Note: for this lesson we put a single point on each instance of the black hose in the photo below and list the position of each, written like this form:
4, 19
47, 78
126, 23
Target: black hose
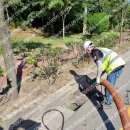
62, 127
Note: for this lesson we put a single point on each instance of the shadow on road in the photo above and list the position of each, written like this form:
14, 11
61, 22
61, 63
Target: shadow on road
94, 95
1, 128
22, 124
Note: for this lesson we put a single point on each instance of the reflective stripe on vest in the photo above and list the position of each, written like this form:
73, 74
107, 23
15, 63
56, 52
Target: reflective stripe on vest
110, 59
106, 54
115, 58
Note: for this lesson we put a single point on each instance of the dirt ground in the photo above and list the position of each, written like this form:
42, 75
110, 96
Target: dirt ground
33, 89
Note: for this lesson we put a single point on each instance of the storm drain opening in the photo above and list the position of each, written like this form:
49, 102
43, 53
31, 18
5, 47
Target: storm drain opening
74, 106
75, 101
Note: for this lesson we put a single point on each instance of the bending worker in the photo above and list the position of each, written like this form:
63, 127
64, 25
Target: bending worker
107, 61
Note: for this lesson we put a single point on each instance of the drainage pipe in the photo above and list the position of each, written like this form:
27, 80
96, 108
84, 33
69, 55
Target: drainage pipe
119, 104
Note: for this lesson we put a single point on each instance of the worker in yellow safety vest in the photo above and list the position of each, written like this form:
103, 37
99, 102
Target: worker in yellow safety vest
107, 61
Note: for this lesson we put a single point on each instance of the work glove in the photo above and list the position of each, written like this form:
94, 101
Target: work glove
98, 80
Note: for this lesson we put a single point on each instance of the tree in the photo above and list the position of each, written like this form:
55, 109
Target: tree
11, 8
63, 8
8, 55
87, 7
85, 19
98, 23
127, 18
117, 10
122, 17
86, 4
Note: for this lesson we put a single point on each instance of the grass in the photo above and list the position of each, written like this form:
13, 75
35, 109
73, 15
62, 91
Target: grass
49, 40
22, 39
31, 39
32, 42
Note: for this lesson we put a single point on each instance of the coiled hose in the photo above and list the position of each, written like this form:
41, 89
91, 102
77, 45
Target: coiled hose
63, 119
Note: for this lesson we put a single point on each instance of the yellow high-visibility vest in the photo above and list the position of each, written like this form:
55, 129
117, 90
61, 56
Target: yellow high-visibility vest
110, 60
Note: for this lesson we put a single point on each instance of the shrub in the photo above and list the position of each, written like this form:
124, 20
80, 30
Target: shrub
0, 49
106, 38
53, 52
1, 72
74, 43
98, 23
23, 45
70, 44
32, 58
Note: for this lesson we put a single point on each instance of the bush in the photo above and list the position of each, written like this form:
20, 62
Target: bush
22, 45
106, 38
76, 43
53, 52
70, 44
1, 72
98, 23
0, 49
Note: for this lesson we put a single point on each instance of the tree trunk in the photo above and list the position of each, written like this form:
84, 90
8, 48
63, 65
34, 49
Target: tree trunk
7, 14
63, 20
121, 27
84, 27
8, 55
123, 14
51, 27
112, 26
85, 22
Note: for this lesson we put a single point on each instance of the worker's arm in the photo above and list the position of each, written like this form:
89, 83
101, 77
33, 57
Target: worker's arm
99, 70
97, 55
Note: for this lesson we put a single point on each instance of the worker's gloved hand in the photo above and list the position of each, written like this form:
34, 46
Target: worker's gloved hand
98, 80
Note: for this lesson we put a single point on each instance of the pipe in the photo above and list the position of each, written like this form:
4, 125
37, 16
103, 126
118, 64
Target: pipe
125, 120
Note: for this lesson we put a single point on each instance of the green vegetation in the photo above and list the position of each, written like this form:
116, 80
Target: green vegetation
23, 45
63, 25
16, 41
59, 15
70, 41
1, 72
98, 23
106, 39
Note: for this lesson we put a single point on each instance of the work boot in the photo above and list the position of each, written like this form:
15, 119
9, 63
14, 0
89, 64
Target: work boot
107, 106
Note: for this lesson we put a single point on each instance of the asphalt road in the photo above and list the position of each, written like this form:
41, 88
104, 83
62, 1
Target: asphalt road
123, 84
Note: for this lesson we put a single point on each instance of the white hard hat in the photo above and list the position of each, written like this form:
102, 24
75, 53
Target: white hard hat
87, 44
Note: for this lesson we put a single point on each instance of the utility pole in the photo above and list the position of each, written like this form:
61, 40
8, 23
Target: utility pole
8, 55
